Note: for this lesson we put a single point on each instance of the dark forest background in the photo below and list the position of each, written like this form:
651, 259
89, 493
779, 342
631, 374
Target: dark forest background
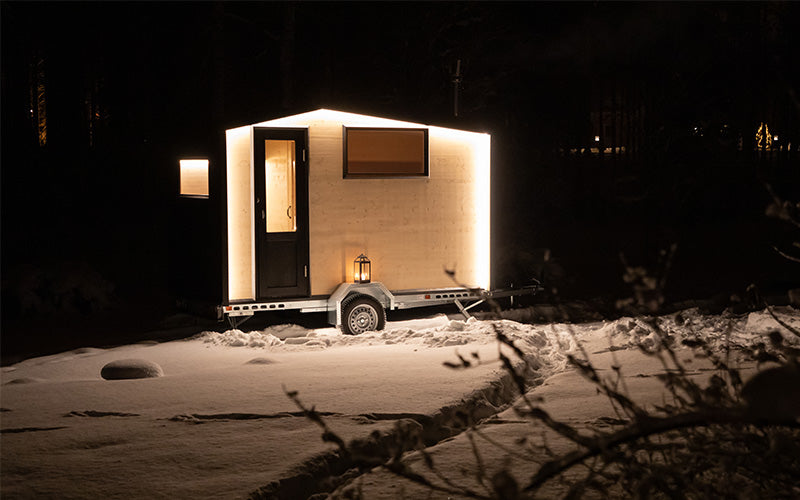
618, 129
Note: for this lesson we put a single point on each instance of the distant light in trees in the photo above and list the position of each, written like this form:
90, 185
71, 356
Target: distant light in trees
42, 114
763, 137
37, 100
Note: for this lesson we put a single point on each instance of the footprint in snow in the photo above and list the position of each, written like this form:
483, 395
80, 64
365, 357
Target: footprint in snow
260, 361
23, 380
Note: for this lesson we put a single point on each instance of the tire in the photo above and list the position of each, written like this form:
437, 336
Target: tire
361, 313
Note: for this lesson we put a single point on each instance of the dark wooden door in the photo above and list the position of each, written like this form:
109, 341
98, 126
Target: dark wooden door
280, 175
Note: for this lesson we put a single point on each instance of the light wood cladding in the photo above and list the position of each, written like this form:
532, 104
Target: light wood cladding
239, 178
412, 229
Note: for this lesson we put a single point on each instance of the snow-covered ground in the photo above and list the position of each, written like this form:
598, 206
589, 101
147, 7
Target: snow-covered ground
218, 423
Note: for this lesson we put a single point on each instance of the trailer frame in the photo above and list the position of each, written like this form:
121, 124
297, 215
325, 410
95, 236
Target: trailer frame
463, 298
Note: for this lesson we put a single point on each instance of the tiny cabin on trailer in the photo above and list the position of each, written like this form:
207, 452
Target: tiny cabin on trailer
334, 211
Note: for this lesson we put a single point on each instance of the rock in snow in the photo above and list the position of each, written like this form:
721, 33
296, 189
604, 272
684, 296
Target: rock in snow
131, 368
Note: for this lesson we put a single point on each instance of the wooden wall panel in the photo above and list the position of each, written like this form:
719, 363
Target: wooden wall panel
411, 229
241, 278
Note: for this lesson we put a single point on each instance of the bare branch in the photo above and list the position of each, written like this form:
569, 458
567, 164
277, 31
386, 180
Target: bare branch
480, 474
781, 204
649, 427
781, 322
785, 255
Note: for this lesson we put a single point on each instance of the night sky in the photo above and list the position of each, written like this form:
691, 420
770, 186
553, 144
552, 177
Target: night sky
92, 226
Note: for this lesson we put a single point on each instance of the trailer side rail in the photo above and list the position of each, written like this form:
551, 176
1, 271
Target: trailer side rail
464, 298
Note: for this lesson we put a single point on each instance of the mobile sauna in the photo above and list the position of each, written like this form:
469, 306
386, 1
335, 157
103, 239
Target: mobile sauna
354, 215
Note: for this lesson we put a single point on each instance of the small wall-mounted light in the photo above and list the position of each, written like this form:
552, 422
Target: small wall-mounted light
194, 178
597, 138
362, 269
775, 138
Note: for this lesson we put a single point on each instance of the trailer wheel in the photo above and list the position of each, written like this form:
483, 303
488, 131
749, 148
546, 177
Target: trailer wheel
361, 313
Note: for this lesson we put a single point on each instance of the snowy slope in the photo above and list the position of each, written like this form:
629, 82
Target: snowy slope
473, 457
218, 423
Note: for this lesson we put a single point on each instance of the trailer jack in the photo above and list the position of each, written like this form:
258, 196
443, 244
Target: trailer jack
235, 321
465, 309
484, 295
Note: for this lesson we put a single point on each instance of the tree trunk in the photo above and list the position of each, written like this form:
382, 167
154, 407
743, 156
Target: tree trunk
287, 55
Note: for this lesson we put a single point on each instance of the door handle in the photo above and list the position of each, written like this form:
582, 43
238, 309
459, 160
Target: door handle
288, 210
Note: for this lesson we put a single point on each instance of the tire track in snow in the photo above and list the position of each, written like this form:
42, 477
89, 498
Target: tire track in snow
100, 414
325, 472
19, 430
199, 418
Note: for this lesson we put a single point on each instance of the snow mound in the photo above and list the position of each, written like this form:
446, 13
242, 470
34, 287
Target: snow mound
238, 338
445, 333
274, 335
83, 352
762, 322
131, 369
721, 332
287, 331
544, 345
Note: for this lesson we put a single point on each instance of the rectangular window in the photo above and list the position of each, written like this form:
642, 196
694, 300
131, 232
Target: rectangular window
194, 178
385, 152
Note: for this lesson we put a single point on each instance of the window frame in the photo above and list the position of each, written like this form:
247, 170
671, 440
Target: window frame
426, 154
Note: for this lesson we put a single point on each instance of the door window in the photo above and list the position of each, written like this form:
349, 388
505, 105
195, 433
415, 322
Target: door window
281, 210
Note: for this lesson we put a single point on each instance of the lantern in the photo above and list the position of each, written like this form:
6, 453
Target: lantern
362, 269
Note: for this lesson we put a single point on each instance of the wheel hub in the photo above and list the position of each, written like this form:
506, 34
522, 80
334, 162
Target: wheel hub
363, 319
